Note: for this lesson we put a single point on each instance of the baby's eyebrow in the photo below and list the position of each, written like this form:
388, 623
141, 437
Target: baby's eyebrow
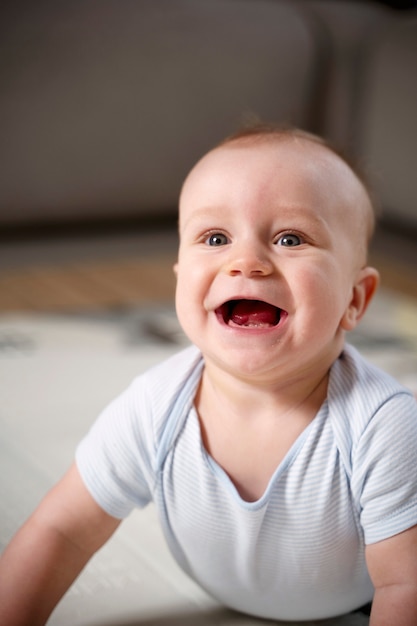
204, 211
287, 213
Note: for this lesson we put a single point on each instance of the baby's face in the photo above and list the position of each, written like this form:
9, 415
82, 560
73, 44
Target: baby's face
272, 243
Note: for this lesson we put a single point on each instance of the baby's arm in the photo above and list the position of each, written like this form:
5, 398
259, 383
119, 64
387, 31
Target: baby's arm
392, 565
50, 550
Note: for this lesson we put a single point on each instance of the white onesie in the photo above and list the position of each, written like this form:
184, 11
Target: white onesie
298, 552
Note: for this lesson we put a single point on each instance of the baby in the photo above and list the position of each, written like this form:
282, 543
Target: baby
282, 465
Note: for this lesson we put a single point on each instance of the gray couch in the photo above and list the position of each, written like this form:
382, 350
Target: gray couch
105, 104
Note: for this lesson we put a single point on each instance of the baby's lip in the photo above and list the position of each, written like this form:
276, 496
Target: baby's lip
249, 313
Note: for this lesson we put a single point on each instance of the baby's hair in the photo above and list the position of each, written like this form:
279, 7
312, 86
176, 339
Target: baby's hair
261, 132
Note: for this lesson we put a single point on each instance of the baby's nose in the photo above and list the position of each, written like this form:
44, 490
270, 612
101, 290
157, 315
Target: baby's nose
249, 262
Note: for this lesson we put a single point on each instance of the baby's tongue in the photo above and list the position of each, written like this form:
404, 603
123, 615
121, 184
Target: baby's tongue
254, 313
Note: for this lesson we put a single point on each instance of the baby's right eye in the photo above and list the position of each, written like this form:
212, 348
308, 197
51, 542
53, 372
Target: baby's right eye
217, 239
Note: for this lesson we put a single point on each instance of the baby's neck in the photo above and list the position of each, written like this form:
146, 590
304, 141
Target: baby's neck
248, 399
248, 430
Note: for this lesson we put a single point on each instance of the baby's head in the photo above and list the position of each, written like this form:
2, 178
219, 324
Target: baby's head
274, 232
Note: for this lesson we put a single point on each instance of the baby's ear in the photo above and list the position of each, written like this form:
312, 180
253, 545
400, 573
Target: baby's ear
175, 268
362, 293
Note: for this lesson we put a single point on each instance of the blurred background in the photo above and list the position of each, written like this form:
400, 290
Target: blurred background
106, 104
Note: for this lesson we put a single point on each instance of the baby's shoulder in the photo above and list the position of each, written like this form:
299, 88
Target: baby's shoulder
359, 385
362, 397
166, 390
168, 376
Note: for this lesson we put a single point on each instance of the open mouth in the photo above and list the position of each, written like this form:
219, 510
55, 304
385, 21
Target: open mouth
249, 313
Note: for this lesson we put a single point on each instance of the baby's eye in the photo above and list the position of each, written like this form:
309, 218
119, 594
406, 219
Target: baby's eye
217, 239
289, 240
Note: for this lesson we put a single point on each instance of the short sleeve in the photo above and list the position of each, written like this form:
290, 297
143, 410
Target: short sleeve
384, 469
115, 457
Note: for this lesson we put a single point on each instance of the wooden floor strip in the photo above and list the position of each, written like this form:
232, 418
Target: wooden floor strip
88, 286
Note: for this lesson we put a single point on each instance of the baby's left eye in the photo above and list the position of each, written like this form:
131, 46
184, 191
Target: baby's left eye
217, 239
289, 240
